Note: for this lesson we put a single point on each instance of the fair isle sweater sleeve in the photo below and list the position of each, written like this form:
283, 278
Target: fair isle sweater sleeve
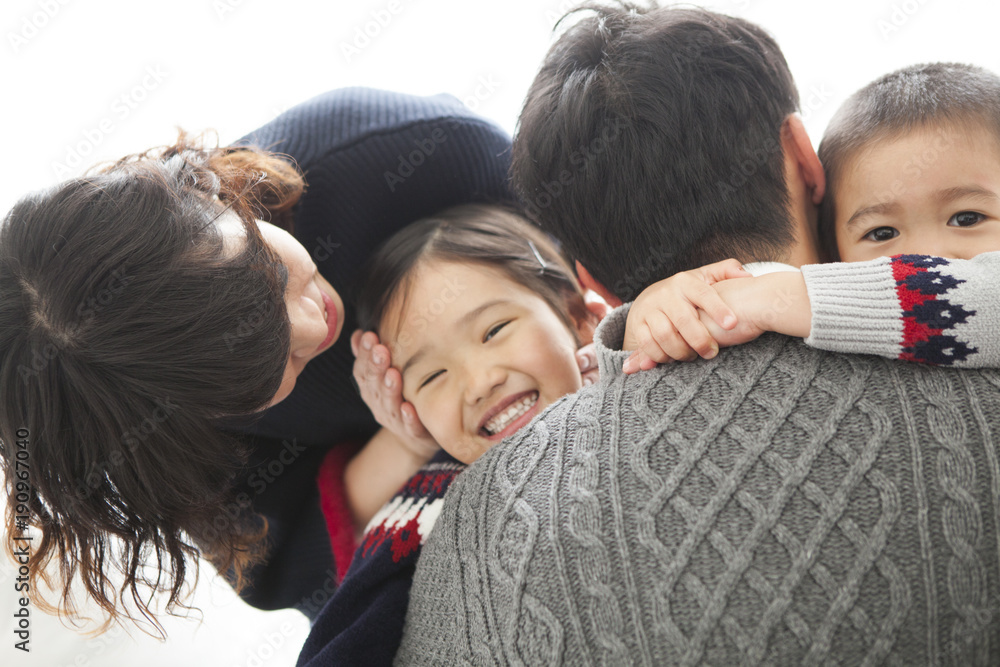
943, 312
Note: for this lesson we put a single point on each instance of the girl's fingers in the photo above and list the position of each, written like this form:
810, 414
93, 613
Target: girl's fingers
356, 341
586, 358
414, 426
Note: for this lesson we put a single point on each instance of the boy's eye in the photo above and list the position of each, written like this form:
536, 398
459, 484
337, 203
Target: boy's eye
880, 234
494, 331
429, 379
966, 219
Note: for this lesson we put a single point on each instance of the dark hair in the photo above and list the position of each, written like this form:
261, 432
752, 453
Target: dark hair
122, 338
897, 103
485, 234
650, 143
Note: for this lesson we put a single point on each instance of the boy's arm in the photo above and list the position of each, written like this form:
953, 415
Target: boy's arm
912, 307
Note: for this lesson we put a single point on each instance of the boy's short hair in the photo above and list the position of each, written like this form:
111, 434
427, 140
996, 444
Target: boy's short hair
898, 103
650, 143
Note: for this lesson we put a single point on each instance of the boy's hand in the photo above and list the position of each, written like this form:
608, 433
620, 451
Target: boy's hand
381, 388
776, 302
664, 323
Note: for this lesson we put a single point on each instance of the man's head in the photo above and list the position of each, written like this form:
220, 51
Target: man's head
913, 166
653, 141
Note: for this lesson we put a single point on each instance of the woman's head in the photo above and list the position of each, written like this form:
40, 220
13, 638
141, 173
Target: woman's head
129, 322
482, 316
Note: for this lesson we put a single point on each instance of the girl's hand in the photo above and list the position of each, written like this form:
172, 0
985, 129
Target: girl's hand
381, 388
664, 323
586, 358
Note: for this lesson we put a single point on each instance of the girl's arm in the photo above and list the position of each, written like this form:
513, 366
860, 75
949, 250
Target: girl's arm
910, 307
376, 473
398, 449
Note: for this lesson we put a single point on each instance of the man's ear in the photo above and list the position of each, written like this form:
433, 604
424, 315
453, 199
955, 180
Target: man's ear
796, 143
587, 282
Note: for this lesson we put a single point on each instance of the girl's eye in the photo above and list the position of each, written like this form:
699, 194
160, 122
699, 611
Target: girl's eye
966, 219
494, 331
429, 379
880, 234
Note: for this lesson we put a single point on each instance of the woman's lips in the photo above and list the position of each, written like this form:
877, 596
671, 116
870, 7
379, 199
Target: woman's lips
331, 321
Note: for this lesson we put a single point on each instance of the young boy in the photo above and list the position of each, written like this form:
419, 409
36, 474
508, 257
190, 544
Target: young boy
912, 163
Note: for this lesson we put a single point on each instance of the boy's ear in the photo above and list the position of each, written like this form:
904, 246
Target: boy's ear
796, 142
587, 282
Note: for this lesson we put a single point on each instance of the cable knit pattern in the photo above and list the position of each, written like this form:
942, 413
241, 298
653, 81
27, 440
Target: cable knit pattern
775, 505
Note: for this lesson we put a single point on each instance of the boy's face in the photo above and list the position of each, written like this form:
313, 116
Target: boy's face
932, 191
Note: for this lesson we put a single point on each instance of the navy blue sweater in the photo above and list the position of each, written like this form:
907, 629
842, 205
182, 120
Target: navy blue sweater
373, 161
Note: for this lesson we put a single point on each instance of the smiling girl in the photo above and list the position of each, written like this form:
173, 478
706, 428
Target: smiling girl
475, 325
479, 319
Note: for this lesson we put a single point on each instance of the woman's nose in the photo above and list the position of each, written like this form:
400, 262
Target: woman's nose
309, 327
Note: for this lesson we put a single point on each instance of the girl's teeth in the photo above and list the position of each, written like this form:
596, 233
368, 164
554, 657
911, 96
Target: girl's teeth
500, 421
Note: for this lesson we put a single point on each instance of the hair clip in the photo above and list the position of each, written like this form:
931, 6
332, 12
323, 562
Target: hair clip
538, 256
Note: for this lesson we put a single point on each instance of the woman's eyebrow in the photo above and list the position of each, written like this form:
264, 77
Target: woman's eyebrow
282, 276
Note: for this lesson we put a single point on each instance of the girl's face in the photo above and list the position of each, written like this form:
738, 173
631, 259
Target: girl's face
480, 354
933, 191
315, 310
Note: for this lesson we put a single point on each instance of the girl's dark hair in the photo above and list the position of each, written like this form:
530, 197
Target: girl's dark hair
484, 234
126, 329
919, 95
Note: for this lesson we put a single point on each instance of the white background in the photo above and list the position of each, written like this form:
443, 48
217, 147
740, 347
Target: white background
83, 81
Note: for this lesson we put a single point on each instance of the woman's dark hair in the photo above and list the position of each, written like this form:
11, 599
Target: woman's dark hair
484, 234
126, 329
963, 96
650, 143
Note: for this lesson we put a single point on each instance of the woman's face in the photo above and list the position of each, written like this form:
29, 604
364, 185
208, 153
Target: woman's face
315, 310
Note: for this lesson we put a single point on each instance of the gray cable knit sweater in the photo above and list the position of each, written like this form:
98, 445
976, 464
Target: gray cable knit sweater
775, 505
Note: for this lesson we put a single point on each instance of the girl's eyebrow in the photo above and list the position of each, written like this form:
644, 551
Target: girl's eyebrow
465, 319
476, 312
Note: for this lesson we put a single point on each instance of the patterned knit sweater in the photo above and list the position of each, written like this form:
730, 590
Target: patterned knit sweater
912, 307
776, 505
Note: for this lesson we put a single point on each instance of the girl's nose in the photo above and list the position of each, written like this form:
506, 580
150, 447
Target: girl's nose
481, 381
